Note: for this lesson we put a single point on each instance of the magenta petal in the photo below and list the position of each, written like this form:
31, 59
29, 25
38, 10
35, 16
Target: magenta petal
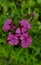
29, 26
25, 34
8, 21
22, 22
23, 29
6, 28
18, 30
22, 37
15, 37
23, 41
16, 42
29, 40
26, 44
25, 23
18, 34
23, 44
10, 37
11, 42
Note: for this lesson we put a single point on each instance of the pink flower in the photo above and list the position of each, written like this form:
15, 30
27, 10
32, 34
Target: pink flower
24, 44
18, 30
12, 39
25, 40
24, 36
8, 21
29, 26
23, 29
24, 23
29, 39
6, 26
13, 42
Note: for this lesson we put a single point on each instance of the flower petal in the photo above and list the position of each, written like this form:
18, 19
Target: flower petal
10, 37
18, 30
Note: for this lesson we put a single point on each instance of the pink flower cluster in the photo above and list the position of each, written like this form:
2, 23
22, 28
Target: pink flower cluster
21, 35
6, 26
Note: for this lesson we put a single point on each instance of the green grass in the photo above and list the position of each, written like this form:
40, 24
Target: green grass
16, 10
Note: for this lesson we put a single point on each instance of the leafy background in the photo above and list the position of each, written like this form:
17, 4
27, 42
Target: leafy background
16, 10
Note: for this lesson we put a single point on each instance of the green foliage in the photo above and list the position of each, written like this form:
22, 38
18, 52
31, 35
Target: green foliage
18, 9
